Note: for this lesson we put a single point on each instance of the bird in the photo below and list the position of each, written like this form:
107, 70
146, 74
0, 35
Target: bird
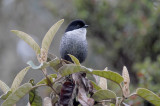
74, 41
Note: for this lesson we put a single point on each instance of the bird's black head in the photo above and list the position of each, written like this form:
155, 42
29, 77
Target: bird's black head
76, 24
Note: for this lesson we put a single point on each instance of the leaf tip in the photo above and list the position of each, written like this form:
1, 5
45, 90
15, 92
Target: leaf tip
124, 67
62, 20
13, 31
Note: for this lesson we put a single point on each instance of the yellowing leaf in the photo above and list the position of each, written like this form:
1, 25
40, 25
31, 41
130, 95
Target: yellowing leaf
149, 96
125, 75
74, 59
126, 78
18, 79
113, 76
103, 95
103, 81
106, 69
28, 39
4, 87
17, 95
50, 34
47, 101
5, 96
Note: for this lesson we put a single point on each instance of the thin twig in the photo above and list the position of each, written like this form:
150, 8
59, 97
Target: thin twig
49, 83
132, 95
36, 86
57, 80
68, 62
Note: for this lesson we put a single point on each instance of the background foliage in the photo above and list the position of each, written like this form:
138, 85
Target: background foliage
120, 33
125, 33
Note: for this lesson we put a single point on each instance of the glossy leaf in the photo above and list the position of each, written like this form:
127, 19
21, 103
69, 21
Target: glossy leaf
28, 39
5, 96
50, 34
113, 76
18, 79
68, 69
4, 87
74, 59
95, 86
103, 95
17, 95
148, 95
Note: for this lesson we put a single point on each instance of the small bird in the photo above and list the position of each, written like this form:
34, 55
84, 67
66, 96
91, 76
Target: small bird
74, 41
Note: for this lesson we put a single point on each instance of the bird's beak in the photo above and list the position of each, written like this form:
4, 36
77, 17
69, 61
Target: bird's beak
85, 26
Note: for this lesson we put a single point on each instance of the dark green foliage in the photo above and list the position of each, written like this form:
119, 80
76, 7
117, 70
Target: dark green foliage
125, 33
128, 30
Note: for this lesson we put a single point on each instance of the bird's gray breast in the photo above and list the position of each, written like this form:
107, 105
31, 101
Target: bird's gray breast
73, 44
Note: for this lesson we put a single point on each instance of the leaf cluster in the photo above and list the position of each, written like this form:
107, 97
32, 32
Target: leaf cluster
69, 83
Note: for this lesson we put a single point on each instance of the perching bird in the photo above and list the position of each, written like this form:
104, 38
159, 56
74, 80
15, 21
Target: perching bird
74, 41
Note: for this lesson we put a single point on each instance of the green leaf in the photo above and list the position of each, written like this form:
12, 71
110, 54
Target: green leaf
95, 86
91, 77
18, 79
103, 95
50, 34
113, 76
148, 95
41, 66
55, 100
68, 69
5, 96
52, 76
34, 98
17, 95
54, 62
74, 59
51, 63
57, 87
28, 39
4, 87
44, 81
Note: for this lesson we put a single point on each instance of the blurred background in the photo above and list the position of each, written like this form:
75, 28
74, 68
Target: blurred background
121, 32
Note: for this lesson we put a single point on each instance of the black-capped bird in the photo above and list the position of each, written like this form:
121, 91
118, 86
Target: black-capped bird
74, 41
